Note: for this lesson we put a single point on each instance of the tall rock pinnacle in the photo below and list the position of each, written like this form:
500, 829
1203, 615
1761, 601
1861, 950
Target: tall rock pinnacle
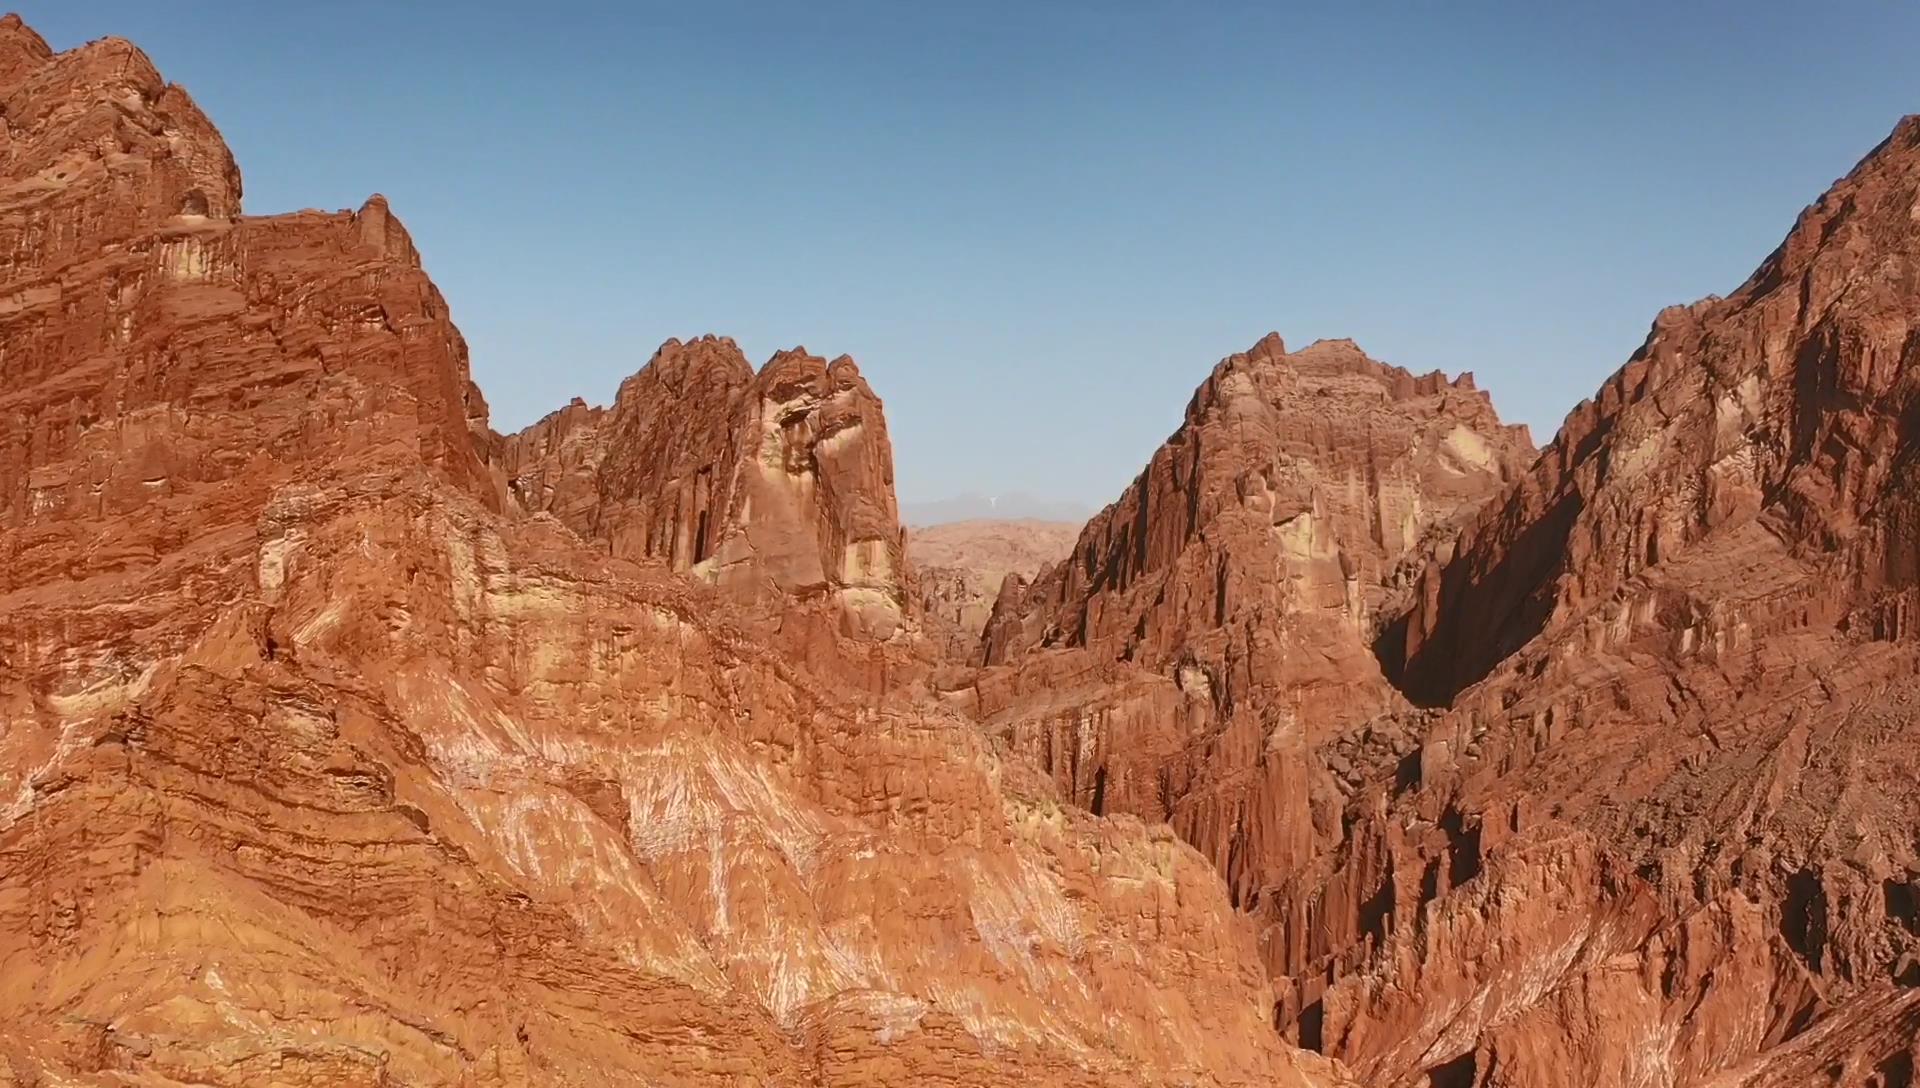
770, 485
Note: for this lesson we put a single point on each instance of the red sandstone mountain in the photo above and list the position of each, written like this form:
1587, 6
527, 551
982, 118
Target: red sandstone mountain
1214, 626
1678, 771
1657, 823
959, 567
343, 741
771, 485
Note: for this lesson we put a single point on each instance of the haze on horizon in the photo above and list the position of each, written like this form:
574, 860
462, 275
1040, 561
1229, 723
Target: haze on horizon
1038, 226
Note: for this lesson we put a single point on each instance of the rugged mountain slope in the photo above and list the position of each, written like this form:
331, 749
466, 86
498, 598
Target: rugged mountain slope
1653, 818
1674, 797
770, 484
1768, 429
1211, 631
958, 569
343, 741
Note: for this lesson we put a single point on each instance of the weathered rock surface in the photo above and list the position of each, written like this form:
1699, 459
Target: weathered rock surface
958, 569
343, 741
1652, 816
771, 485
1212, 629
1671, 808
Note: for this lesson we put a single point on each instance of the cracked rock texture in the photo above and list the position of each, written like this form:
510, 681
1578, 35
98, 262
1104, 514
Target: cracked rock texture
1624, 793
344, 741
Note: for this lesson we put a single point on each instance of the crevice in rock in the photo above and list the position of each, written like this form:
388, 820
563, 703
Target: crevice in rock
1313, 1021
1902, 904
1895, 1072
1803, 917
1481, 618
1458, 1073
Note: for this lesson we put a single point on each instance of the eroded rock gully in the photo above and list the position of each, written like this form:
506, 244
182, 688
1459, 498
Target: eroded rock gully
1215, 625
346, 741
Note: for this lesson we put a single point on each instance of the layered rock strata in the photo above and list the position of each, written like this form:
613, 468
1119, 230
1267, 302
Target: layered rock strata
343, 741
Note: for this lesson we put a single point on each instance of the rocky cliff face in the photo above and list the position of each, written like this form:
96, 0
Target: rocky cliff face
1332, 467
1211, 631
1776, 416
1670, 806
1647, 814
140, 366
1647, 817
343, 741
771, 485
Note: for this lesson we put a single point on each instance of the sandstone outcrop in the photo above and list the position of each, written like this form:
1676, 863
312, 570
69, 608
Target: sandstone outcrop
1679, 681
346, 741
772, 485
1212, 629
343, 741
1648, 814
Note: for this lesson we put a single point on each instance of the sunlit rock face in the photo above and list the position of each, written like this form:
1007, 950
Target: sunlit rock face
1212, 631
1673, 668
771, 485
1632, 797
344, 741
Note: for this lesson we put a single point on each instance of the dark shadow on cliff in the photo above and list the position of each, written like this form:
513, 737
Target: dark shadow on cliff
1482, 619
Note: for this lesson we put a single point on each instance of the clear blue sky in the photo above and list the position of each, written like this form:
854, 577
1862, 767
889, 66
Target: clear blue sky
1037, 225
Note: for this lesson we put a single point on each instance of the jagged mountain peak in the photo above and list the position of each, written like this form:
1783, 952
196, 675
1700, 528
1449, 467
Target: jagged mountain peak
326, 758
1781, 406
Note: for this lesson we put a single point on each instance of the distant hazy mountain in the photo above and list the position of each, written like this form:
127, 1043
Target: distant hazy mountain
1013, 505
